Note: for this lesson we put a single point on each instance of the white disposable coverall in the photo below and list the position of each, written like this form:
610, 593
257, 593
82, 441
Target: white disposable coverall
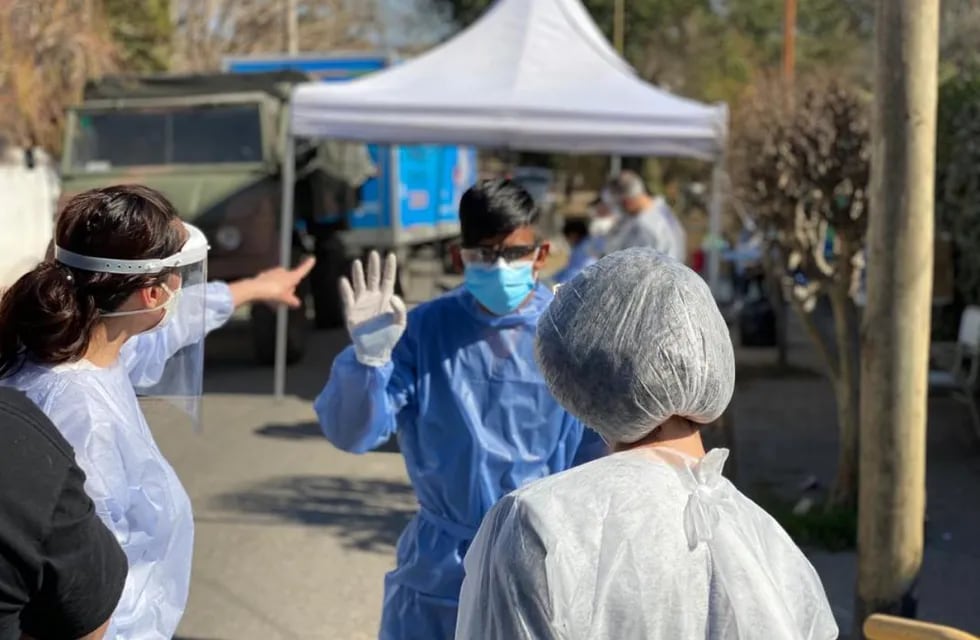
655, 228
646, 544
135, 490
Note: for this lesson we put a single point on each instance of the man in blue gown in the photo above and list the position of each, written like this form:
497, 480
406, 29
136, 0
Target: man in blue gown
583, 251
457, 381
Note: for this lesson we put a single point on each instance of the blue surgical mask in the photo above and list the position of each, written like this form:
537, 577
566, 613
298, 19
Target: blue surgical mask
500, 287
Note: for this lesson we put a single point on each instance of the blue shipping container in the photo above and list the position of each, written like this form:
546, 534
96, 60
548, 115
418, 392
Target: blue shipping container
415, 196
457, 173
418, 189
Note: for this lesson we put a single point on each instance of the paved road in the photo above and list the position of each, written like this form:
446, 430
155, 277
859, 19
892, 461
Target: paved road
293, 536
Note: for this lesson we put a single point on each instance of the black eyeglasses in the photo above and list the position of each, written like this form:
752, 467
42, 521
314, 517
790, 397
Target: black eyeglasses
489, 255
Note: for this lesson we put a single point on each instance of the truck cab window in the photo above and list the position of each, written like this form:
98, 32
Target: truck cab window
203, 134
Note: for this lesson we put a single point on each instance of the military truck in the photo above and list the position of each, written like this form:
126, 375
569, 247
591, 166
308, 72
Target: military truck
213, 144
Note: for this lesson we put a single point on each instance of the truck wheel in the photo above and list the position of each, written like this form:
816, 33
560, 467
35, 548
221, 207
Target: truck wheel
263, 325
331, 265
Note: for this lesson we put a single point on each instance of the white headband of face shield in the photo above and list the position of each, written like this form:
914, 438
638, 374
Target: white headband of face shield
195, 250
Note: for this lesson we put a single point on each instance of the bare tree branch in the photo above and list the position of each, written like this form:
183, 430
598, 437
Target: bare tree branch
801, 162
48, 50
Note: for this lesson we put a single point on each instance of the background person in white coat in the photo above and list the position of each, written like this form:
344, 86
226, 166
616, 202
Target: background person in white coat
647, 221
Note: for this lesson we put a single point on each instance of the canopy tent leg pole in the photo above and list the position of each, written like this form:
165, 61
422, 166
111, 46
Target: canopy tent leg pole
615, 165
714, 225
285, 259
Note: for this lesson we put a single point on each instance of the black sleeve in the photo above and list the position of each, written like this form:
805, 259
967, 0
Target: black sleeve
83, 569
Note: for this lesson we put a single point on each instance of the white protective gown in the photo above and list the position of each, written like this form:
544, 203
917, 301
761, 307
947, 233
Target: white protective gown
135, 490
645, 545
655, 228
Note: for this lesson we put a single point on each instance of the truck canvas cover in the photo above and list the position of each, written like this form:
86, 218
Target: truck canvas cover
275, 83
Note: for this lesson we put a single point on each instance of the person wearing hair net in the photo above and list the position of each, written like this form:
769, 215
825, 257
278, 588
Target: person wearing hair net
456, 380
651, 542
646, 221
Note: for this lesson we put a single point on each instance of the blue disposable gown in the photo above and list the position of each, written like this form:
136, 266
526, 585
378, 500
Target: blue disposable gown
135, 490
474, 421
580, 257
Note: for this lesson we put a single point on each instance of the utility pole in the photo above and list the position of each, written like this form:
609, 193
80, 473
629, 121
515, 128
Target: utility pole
619, 41
292, 27
789, 41
382, 18
895, 332
619, 24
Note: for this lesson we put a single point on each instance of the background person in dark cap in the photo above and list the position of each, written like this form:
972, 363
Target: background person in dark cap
61, 571
581, 251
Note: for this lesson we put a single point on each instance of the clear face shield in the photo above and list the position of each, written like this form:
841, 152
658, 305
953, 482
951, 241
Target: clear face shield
165, 363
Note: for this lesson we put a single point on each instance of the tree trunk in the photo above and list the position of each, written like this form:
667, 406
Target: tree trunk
782, 324
895, 332
774, 289
841, 361
824, 350
843, 493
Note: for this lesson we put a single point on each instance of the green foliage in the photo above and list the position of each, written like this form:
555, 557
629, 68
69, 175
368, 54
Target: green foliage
143, 32
828, 32
463, 12
800, 160
48, 50
959, 34
712, 50
802, 163
958, 179
832, 528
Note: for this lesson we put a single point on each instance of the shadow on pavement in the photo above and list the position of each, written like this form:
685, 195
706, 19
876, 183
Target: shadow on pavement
311, 431
365, 514
302, 431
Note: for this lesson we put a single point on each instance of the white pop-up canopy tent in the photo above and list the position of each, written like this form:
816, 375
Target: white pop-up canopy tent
530, 75
533, 75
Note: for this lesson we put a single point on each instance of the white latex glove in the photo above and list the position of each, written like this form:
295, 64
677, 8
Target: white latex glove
376, 317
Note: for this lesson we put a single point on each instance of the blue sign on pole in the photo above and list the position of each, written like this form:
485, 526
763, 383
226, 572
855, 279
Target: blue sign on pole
327, 69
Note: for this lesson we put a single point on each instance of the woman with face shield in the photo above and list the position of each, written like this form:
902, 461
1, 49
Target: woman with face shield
651, 542
119, 307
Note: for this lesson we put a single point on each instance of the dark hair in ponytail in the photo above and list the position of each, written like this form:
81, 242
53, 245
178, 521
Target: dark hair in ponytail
48, 315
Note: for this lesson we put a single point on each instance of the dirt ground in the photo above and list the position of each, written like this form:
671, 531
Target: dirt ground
785, 430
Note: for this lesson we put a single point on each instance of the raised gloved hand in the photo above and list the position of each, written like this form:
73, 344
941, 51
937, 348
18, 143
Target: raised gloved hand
376, 317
